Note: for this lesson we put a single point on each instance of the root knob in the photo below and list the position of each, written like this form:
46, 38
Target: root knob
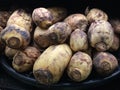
101, 46
106, 66
14, 42
75, 74
43, 76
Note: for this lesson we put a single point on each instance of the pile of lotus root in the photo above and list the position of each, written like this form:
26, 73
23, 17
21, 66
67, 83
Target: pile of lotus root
49, 42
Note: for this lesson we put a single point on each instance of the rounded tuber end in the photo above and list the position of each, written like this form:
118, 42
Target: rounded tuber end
106, 67
43, 76
75, 75
14, 42
101, 46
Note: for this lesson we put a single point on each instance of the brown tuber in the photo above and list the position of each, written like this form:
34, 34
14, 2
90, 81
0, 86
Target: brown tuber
41, 37
10, 53
2, 45
36, 46
56, 34
59, 32
78, 40
1, 28
105, 63
96, 14
115, 44
58, 13
89, 51
116, 25
42, 17
23, 60
77, 21
4, 16
79, 67
101, 35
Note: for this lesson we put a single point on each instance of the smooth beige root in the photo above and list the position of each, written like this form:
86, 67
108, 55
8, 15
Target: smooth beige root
49, 67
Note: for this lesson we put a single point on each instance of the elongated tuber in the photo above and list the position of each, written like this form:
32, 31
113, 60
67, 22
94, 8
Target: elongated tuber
78, 40
50, 65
